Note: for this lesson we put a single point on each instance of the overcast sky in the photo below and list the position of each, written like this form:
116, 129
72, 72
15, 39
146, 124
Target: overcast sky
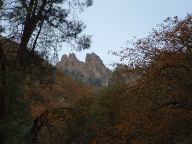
112, 22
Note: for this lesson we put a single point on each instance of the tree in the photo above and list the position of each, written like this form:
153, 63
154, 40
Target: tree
1, 5
42, 24
173, 34
162, 98
38, 26
108, 108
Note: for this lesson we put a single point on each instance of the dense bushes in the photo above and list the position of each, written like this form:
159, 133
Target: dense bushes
153, 109
15, 127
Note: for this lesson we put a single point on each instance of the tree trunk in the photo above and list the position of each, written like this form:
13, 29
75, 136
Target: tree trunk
28, 30
3, 95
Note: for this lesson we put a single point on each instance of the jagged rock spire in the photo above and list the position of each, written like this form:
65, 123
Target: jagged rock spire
92, 71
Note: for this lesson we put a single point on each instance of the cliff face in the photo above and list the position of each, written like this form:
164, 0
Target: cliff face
92, 71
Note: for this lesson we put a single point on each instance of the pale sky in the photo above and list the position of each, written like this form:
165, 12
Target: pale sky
112, 22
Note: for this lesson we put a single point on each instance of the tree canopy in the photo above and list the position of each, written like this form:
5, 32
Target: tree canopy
173, 34
42, 25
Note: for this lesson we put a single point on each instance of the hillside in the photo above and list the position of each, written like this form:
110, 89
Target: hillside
46, 87
64, 92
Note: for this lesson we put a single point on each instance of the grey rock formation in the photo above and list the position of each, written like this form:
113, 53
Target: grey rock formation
92, 71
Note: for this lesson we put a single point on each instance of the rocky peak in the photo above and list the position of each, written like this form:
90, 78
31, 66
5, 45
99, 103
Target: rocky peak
92, 71
72, 57
64, 57
92, 58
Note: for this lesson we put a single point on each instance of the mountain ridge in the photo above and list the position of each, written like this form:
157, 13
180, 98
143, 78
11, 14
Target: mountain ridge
92, 71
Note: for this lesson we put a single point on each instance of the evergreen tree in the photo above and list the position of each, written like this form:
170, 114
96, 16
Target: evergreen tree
43, 24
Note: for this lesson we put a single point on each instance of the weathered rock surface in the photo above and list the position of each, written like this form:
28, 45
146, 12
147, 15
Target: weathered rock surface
92, 71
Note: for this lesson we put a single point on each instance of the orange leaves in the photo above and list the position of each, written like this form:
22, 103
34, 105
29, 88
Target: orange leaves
154, 90
173, 35
158, 105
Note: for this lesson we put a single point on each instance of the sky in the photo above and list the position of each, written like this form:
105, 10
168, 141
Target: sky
112, 22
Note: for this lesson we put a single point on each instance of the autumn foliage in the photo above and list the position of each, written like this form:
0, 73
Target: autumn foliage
147, 101
155, 104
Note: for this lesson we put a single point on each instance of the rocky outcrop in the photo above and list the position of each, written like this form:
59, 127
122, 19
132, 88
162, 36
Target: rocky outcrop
92, 71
